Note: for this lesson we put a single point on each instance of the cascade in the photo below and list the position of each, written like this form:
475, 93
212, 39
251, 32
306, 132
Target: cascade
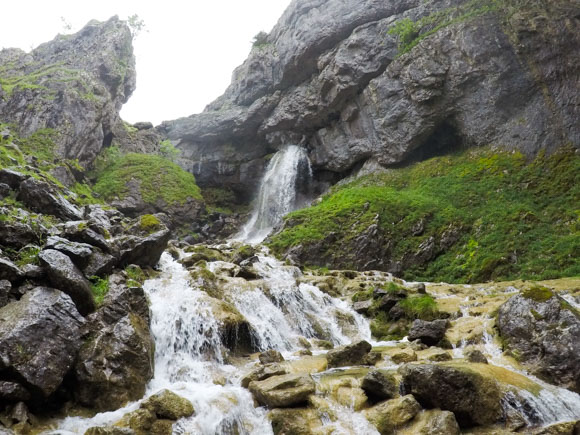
278, 194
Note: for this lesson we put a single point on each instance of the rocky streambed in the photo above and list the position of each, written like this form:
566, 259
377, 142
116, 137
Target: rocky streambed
247, 344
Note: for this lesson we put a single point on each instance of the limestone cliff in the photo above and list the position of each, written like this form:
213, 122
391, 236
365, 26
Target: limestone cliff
391, 81
74, 85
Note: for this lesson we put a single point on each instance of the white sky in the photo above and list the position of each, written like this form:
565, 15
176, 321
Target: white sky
184, 59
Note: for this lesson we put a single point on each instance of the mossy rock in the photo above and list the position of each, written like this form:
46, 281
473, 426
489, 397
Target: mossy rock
168, 405
537, 293
149, 223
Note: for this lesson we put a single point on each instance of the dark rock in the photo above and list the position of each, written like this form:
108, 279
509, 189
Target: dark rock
9, 270
32, 271
5, 288
143, 125
283, 391
13, 392
18, 234
79, 253
143, 251
84, 232
99, 264
362, 307
40, 338
12, 178
440, 356
64, 275
379, 385
4, 190
430, 333
271, 356
542, 331
248, 273
474, 399
372, 358
475, 356
349, 355
115, 363
43, 198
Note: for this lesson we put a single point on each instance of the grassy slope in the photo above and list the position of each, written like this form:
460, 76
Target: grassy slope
159, 178
518, 220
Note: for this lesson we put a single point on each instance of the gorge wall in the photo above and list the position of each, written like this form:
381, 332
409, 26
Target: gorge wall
391, 81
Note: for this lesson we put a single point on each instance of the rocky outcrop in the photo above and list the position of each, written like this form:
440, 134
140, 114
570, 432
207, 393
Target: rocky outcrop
473, 398
541, 330
71, 88
430, 333
40, 336
343, 79
115, 361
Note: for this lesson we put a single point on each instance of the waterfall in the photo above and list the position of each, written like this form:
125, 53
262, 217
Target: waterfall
278, 194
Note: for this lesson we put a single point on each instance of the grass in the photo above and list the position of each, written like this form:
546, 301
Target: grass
159, 179
422, 307
514, 219
100, 288
149, 223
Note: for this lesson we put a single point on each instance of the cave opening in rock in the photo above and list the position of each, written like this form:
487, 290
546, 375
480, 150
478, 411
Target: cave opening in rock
445, 139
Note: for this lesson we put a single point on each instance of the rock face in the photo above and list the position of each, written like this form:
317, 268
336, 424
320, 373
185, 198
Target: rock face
40, 336
542, 331
89, 74
63, 274
474, 399
330, 76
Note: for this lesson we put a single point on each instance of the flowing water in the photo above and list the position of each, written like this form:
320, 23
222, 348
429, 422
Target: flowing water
283, 311
278, 194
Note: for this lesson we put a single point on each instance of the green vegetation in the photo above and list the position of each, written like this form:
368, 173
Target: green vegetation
223, 200
421, 307
100, 288
260, 40
511, 219
158, 178
149, 223
410, 33
135, 276
168, 151
28, 255
10, 80
537, 293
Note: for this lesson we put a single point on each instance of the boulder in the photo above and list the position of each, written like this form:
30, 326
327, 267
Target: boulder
283, 391
99, 264
79, 253
17, 234
362, 307
143, 251
434, 422
388, 416
40, 336
349, 355
379, 385
64, 275
13, 392
270, 356
475, 356
541, 330
109, 430
473, 398
86, 232
168, 405
404, 356
44, 198
9, 271
430, 333
115, 362
294, 421
12, 178
263, 372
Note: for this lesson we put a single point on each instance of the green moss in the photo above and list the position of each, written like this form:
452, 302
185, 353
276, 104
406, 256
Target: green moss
100, 288
362, 295
422, 307
84, 194
513, 219
135, 276
537, 293
40, 144
158, 178
537, 315
149, 223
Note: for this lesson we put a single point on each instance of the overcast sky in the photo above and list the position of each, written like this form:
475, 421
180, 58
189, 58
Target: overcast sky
184, 59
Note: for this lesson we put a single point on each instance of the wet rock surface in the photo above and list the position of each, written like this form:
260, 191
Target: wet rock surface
40, 336
283, 391
542, 331
352, 354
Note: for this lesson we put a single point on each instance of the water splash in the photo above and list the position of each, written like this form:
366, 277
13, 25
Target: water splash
278, 194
